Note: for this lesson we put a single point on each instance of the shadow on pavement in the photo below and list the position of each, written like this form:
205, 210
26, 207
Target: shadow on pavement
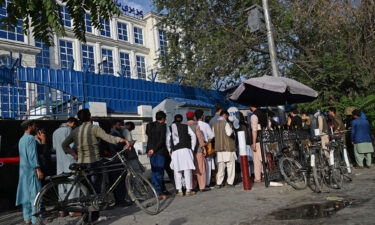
178, 221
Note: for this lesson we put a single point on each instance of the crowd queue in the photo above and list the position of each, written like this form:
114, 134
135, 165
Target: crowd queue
197, 155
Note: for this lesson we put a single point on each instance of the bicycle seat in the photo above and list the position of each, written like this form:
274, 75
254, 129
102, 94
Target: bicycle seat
59, 176
78, 166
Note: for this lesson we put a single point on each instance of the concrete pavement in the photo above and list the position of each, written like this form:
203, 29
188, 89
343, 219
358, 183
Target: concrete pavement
227, 206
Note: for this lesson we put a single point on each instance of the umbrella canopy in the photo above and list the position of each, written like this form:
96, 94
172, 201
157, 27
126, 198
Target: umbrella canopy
269, 91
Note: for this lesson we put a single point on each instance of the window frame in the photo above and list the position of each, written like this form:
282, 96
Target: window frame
66, 18
143, 74
122, 29
66, 61
107, 69
84, 58
103, 31
128, 72
42, 59
138, 37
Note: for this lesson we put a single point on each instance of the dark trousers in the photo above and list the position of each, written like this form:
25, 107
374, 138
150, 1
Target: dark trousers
157, 162
120, 190
168, 169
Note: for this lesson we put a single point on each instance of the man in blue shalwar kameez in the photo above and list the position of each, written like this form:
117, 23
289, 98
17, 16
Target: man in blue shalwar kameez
29, 174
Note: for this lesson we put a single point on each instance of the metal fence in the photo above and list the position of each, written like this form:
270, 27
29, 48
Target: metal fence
55, 92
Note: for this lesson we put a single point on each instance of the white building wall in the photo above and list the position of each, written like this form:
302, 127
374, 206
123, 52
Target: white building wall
149, 49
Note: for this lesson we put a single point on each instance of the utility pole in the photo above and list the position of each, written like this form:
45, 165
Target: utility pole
271, 43
271, 48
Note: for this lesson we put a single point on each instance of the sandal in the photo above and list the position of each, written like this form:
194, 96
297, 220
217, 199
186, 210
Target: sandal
257, 181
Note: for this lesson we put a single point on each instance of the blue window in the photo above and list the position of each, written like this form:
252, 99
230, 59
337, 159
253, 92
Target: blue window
162, 41
66, 54
125, 64
122, 31
88, 57
106, 28
42, 58
15, 34
65, 16
108, 64
88, 26
138, 35
141, 67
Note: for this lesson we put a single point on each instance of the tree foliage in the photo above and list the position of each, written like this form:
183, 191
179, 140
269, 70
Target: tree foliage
328, 45
45, 18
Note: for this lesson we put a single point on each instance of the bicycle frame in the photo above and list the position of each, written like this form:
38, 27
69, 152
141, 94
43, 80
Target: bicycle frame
82, 177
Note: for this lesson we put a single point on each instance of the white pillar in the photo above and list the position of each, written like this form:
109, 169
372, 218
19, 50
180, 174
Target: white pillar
95, 31
133, 65
116, 61
131, 33
156, 38
55, 52
97, 55
77, 55
114, 29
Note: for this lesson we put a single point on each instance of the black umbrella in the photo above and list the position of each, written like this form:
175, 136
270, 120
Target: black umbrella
269, 91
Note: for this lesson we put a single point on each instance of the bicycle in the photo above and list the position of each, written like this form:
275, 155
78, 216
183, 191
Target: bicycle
73, 192
341, 156
292, 162
329, 166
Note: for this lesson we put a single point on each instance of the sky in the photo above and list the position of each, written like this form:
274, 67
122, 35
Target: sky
144, 5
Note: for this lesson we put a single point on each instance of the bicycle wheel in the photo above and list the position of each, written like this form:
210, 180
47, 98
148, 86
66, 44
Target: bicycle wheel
318, 173
292, 173
336, 175
266, 172
51, 203
142, 193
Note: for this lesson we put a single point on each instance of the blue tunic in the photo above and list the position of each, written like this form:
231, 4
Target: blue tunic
361, 131
28, 183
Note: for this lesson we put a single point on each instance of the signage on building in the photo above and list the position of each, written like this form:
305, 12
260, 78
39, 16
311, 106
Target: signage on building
128, 10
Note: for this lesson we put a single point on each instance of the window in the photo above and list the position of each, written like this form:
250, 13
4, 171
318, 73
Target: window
15, 34
122, 31
125, 64
108, 64
88, 26
65, 16
138, 36
88, 58
141, 67
106, 28
162, 41
42, 58
66, 54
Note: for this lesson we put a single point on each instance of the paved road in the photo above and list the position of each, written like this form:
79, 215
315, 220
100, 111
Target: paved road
261, 205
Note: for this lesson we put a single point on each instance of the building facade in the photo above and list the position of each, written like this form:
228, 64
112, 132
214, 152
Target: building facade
124, 46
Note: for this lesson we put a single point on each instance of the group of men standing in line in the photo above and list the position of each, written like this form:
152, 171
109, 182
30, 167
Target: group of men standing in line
183, 150
186, 148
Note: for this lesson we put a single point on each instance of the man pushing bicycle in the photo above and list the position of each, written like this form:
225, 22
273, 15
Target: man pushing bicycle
86, 141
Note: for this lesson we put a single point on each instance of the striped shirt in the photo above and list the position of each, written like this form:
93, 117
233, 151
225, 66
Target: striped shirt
86, 140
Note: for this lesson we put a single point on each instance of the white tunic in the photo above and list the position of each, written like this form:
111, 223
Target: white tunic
182, 159
226, 156
208, 134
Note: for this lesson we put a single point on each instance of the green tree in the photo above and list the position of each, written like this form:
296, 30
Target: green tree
328, 45
45, 19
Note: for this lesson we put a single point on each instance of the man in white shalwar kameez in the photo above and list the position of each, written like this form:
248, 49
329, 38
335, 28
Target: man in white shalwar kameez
180, 142
225, 150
